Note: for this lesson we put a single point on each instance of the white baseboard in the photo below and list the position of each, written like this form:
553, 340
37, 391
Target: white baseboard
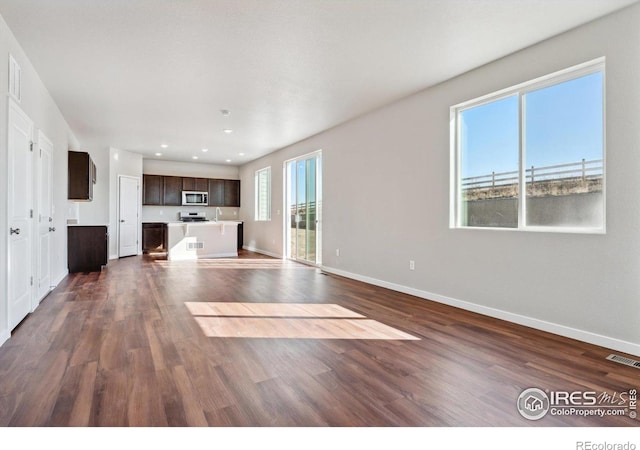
562, 330
4, 337
112, 257
263, 252
59, 278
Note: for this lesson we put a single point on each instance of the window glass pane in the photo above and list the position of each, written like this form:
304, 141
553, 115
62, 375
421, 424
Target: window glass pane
489, 150
563, 127
310, 206
292, 202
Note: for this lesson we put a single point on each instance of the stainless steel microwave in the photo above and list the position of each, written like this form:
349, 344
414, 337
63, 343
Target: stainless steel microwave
193, 198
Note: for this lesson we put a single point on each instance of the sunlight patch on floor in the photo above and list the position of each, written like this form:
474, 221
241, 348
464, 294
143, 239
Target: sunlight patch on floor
288, 321
222, 309
234, 263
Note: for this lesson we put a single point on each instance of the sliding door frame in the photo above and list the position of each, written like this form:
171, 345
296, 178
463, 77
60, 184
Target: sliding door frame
287, 223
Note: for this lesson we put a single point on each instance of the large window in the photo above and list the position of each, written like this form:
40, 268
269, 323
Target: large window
263, 194
532, 156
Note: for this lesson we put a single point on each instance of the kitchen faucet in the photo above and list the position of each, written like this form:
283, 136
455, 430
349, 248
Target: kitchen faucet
218, 210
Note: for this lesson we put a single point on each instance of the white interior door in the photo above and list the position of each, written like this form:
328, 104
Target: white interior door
128, 216
44, 217
20, 210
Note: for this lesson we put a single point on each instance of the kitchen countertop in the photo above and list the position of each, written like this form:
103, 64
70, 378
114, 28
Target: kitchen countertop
207, 223
168, 222
87, 225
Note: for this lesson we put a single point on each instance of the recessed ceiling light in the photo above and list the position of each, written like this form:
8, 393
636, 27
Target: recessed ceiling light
241, 154
225, 112
205, 150
164, 145
194, 157
228, 160
228, 130
158, 154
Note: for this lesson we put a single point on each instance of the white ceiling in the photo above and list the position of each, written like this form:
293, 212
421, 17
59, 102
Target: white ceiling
135, 74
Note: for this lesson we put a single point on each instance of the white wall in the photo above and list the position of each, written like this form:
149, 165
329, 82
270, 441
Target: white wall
121, 162
40, 107
185, 169
386, 201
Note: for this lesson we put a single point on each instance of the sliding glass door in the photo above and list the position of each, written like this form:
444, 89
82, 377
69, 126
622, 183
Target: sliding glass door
304, 202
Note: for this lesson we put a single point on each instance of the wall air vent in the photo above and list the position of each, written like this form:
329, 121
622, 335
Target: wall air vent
625, 361
195, 245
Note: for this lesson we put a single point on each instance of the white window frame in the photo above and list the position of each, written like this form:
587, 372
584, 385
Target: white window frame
580, 70
260, 208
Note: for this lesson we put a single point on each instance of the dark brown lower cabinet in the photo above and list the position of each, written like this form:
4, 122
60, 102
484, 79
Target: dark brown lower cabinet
87, 248
240, 236
154, 237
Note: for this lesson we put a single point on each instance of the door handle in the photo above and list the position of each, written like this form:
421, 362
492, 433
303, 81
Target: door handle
52, 228
14, 231
50, 219
121, 220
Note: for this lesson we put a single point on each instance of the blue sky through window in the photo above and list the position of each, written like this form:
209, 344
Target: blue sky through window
564, 122
563, 125
303, 187
489, 138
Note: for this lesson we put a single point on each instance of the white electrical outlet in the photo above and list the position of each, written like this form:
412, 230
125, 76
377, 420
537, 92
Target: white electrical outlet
337, 252
412, 265
161, 212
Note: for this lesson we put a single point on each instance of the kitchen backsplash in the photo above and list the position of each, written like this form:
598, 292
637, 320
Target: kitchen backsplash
171, 213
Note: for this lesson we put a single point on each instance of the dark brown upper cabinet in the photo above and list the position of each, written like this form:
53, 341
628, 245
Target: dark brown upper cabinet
82, 176
152, 189
166, 190
195, 184
216, 192
232, 193
172, 191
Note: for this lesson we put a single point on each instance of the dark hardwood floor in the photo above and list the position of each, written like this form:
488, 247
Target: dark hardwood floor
121, 348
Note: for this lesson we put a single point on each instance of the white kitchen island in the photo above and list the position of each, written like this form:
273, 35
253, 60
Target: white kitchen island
200, 240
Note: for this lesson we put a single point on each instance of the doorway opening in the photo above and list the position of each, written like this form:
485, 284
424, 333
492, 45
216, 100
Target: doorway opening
303, 204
